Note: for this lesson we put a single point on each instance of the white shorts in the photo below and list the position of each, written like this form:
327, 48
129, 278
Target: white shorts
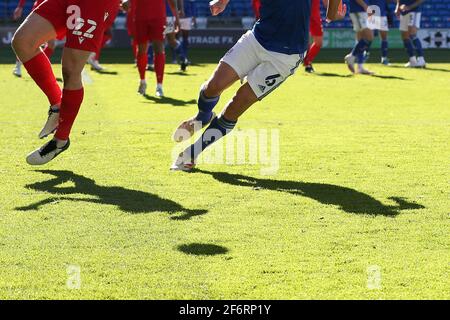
411, 19
359, 20
186, 23
264, 70
170, 25
378, 23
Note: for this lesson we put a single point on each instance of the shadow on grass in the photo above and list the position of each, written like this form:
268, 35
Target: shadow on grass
334, 75
346, 199
170, 101
388, 77
127, 200
106, 72
202, 249
181, 73
424, 69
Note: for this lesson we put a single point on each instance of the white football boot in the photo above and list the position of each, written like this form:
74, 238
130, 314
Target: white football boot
412, 63
47, 152
350, 61
52, 122
159, 91
188, 127
364, 71
17, 71
421, 62
142, 90
385, 61
95, 65
184, 162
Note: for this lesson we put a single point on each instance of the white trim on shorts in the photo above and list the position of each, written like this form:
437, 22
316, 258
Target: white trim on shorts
359, 20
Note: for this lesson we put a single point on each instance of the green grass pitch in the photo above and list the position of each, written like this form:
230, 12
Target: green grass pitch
359, 208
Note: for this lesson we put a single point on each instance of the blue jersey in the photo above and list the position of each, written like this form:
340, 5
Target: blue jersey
382, 4
284, 25
408, 3
189, 8
355, 7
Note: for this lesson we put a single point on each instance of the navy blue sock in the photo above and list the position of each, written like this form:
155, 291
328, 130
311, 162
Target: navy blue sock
418, 45
360, 47
185, 45
179, 51
409, 47
205, 107
217, 129
384, 48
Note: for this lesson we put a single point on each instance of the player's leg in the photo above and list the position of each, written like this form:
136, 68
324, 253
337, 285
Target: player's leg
274, 71
235, 65
160, 64
142, 61
313, 51
359, 21
412, 29
407, 42
366, 39
384, 47
26, 43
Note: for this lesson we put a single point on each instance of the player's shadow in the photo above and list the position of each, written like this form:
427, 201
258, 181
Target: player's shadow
388, 77
346, 199
425, 69
170, 101
333, 75
202, 249
106, 72
127, 200
181, 73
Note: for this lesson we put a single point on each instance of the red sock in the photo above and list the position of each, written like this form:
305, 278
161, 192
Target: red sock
41, 71
70, 105
49, 52
142, 61
135, 49
160, 63
105, 39
313, 51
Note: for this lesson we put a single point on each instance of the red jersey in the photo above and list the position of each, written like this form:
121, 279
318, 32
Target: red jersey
256, 6
150, 9
36, 3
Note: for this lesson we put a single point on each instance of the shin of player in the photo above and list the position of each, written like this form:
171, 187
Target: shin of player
52, 18
410, 14
364, 35
260, 58
316, 31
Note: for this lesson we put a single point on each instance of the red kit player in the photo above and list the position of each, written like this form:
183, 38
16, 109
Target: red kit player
316, 31
149, 25
83, 22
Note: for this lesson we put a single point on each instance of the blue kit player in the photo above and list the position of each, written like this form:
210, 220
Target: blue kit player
364, 37
263, 59
379, 21
410, 13
187, 21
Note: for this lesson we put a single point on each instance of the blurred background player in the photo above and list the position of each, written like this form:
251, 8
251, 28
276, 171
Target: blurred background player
316, 32
83, 22
171, 32
150, 23
379, 24
50, 46
187, 21
410, 15
364, 37
265, 57
131, 27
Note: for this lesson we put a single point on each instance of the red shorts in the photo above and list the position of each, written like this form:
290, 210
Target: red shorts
315, 22
82, 21
150, 30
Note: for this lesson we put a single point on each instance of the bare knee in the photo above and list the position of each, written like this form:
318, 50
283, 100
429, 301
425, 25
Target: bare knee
72, 78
